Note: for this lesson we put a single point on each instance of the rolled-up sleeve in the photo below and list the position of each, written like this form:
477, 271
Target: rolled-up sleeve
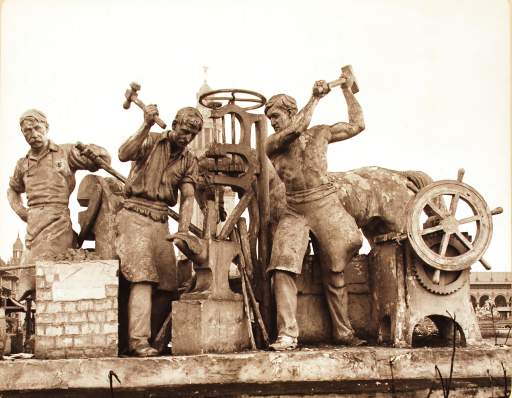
78, 161
190, 170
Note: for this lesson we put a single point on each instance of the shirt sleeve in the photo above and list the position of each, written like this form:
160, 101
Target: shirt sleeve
190, 170
79, 162
16, 182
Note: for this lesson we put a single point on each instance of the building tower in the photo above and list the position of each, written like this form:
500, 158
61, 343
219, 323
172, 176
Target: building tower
17, 251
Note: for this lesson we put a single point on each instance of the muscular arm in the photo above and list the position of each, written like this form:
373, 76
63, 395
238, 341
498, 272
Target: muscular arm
130, 149
342, 131
186, 206
16, 203
299, 123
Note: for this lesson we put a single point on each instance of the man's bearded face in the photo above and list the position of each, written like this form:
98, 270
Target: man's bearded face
279, 118
34, 133
184, 134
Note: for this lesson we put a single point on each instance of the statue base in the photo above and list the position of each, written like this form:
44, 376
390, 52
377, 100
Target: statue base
208, 326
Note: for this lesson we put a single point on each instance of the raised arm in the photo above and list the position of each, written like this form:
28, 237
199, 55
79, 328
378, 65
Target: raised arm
298, 122
132, 147
343, 130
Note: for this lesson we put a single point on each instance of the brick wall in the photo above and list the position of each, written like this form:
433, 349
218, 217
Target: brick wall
76, 314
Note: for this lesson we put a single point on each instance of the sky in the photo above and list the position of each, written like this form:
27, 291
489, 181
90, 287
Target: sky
434, 79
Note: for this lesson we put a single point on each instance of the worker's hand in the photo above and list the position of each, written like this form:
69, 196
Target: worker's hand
150, 112
320, 89
349, 81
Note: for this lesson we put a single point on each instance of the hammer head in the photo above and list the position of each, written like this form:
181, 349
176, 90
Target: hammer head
130, 94
347, 71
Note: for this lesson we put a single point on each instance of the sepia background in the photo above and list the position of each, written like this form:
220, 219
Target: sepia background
434, 78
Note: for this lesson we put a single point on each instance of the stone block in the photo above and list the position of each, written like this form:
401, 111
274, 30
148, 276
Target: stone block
110, 327
111, 290
76, 309
69, 306
102, 305
42, 318
85, 305
44, 294
204, 326
80, 280
61, 317
54, 330
53, 307
77, 317
90, 328
72, 329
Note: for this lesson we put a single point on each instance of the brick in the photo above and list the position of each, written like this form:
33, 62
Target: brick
44, 343
40, 329
99, 340
111, 290
93, 316
63, 341
49, 277
70, 306
44, 294
82, 341
102, 305
112, 340
77, 317
110, 315
61, 317
44, 318
56, 354
40, 283
74, 352
90, 328
110, 327
53, 307
114, 303
85, 305
72, 329
53, 330
40, 307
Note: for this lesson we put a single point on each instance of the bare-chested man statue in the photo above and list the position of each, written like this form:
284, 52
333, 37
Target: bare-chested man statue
299, 156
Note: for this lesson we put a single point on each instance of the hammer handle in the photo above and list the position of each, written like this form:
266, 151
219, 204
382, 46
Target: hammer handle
157, 119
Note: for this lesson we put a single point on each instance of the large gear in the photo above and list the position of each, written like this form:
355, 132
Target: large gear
449, 281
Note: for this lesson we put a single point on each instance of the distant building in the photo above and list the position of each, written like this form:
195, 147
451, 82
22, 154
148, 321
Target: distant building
494, 286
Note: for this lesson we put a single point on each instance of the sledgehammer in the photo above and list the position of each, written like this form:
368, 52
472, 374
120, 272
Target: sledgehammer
346, 71
131, 95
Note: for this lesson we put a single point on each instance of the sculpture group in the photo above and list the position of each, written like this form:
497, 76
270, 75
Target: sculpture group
294, 204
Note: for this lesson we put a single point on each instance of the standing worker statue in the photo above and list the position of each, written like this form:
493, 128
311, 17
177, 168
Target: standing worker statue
161, 164
47, 176
299, 155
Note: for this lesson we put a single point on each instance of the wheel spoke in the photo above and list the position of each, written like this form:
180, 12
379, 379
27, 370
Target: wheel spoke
454, 203
444, 244
436, 209
464, 240
431, 229
469, 219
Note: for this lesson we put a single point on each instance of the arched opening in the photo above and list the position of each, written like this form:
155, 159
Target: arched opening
483, 300
437, 331
500, 301
474, 303
385, 330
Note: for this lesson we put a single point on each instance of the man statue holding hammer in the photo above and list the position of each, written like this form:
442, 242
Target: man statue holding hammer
299, 155
47, 176
161, 165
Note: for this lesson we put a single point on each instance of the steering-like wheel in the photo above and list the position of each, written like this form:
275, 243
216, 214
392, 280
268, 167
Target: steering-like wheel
210, 100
